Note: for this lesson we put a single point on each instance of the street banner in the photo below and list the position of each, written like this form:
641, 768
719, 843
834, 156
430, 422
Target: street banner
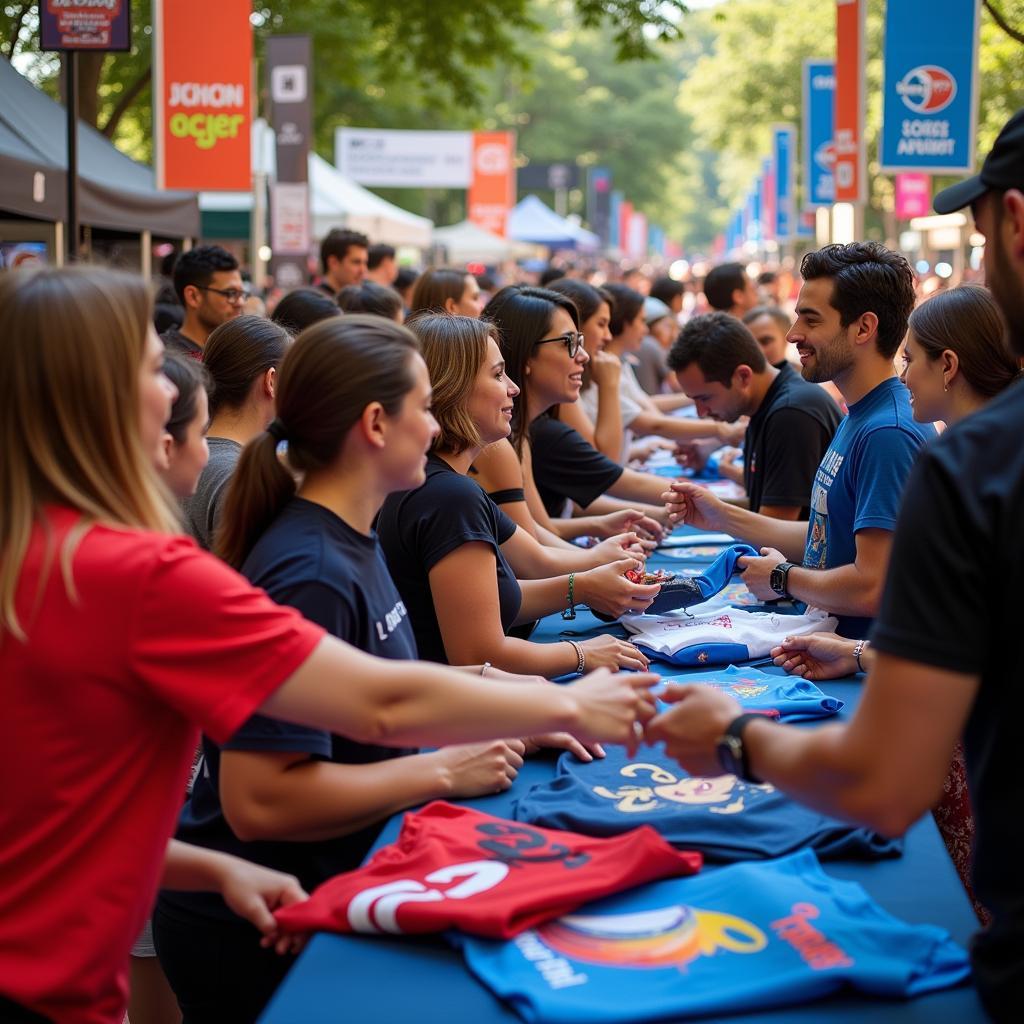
492, 189
783, 151
656, 240
819, 154
615, 219
396, 158
806, 224
551, 176
85, 25
289, 86
850, 167
767, 193
913, 196
625, 225
202, 94
930, 96
599, 199
638, 236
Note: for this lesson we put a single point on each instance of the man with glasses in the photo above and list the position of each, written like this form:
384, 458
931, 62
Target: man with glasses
209, 287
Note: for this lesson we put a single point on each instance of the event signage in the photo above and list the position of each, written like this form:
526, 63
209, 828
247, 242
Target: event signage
849, 166
599, 199
930, 97
202, 94
913, 196
615, 218
766, 189
819, 155
396, 158
783, 151
289, 86
85, 25
492, 188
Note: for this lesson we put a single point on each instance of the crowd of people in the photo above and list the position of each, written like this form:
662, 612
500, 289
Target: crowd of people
323, 538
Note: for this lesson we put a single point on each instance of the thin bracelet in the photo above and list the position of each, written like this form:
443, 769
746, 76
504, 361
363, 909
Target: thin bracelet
858, 650
484, 667
581, 661
570, 605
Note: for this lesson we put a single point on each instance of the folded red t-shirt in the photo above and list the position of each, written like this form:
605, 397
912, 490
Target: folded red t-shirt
453, 867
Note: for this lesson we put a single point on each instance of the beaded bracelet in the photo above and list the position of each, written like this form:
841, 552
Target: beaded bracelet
569, 611
581, 661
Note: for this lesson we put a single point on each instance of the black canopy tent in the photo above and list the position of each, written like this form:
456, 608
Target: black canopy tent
115, 192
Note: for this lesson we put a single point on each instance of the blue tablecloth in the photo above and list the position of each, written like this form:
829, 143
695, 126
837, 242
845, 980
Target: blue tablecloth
356, 979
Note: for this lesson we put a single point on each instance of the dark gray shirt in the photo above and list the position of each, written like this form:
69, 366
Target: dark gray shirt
202, 509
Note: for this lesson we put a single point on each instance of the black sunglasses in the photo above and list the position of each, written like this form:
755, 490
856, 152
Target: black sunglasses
573, 342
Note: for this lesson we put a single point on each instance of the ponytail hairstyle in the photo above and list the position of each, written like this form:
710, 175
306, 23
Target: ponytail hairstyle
370, 297
303, 307
333, 371
239, 352
72, 343
627, 304
190, 377
434, 287
966, 320
523, 315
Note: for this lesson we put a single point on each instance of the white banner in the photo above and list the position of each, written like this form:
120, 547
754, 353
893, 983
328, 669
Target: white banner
404, 159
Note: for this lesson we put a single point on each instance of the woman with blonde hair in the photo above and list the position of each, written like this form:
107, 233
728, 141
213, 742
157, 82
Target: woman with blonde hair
118, 636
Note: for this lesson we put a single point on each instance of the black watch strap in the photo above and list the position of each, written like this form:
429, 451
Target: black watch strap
779, 578
734, 732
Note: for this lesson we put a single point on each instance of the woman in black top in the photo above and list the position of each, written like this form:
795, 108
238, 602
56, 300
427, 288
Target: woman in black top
465, 572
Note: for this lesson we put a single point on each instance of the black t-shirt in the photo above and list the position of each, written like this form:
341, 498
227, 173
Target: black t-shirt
566, 466
952, 600
312, 560
419, 528
175, 341
786, 440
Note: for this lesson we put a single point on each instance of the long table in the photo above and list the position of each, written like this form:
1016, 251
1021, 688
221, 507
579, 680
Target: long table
353, 979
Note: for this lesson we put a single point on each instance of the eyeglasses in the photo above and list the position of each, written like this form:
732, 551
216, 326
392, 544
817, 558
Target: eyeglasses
233, 295
572, 341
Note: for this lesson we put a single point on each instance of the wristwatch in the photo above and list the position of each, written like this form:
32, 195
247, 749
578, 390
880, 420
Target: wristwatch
732, 755
779, 577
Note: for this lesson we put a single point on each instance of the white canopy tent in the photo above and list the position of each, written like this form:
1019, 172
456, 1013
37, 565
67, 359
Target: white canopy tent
468, 242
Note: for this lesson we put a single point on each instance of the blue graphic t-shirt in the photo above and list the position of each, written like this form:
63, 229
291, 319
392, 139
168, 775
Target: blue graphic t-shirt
723, 817
860, 481
749, 937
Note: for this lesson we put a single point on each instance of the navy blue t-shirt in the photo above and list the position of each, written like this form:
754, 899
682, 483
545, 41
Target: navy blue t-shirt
859, 484
314, 561
724, 818
419, 528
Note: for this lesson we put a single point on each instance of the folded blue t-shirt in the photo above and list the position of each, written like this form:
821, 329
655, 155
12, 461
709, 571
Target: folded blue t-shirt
689, 590
723, 817
747, 938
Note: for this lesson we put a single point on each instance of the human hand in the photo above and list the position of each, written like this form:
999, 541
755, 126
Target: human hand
606, 589
757, 572
605, 369
686, 502
612, 653
630, 519
733, 433
695, 454
479, 769
564, 741
254, 892
614, 548
613, 706
816, 656
691, 728
641, 451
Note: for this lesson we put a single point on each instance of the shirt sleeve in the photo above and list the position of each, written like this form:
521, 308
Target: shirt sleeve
886, 458
936, 605
506, 525
792, 451
452, 512
208, 643
564, 464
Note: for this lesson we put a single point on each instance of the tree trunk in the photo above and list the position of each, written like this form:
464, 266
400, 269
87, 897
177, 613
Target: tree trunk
128, 97
90, 67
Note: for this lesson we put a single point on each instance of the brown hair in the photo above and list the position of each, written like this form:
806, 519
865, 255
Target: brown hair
71, 345
454, 348
237, 353
328, 377
966, 320
434, 287
190, 377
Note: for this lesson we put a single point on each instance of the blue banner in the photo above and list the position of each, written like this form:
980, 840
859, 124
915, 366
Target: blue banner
818, 149
783, 145
930, 98
614, 241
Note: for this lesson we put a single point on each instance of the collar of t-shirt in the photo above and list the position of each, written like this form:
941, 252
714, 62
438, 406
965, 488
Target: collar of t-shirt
875, 397
770, 395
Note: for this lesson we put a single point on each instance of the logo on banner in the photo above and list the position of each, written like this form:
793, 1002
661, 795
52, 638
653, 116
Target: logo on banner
207, 125
927, 89
825, 156
288, 83
492, 158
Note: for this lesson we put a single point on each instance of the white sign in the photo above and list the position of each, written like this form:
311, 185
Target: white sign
405, 159
289, 219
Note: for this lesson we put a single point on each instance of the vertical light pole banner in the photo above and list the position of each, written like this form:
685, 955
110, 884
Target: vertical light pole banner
819, 154
599, 196
625, 224
289, 86
850, 167
615, 219
492, 189
202, 94
930, 96
783, 151
767, 193
913, 196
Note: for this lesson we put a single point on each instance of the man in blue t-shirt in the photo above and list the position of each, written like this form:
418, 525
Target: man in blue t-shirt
851, 319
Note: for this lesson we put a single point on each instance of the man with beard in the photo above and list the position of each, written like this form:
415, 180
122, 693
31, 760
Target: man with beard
851, 318
947, 664
210, 290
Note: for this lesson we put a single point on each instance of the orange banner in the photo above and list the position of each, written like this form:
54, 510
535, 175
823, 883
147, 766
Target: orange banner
492, 192
202, 94
848, 124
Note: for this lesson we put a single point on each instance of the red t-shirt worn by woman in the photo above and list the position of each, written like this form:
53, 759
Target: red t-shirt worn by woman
100, 710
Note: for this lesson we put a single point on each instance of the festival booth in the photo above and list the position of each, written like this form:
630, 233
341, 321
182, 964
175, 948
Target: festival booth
467, 242
531, 221
120, 208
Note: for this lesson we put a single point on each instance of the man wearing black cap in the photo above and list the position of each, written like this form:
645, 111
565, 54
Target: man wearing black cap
948, 659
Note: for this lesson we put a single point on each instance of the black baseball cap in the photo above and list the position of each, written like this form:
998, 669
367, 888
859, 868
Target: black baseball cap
1003, 168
